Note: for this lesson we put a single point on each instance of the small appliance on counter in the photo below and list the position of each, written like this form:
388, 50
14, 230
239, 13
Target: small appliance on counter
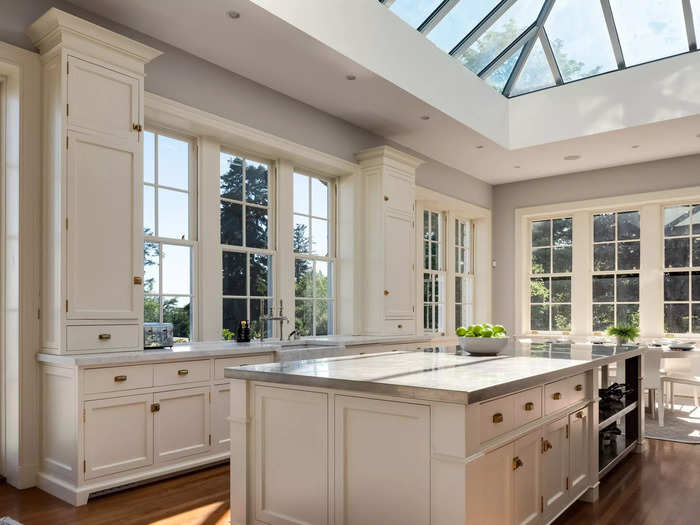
157, 335
243, 332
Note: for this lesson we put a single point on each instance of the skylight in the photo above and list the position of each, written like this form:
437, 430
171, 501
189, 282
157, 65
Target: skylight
521, 46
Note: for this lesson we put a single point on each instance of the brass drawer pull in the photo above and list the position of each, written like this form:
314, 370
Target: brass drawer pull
155, 407
104, 337
498, 418
386, 198
183, 372
399, 326
578, 388
386, 292
138, 280
119, 379
517, 463
137, 127
529, 406
546, 445
556, 396
579, 415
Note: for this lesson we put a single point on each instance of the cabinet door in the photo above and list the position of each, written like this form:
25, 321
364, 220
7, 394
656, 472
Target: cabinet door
118, 435
526, 478
490, 487
181, 423
399, 280
555, 467
579, 439
291, 456
101, 100
220, 403
104, 238
382, 462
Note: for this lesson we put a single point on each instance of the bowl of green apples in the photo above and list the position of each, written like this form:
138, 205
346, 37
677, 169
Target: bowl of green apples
482, 339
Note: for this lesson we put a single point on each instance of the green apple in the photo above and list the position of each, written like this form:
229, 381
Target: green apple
461, 331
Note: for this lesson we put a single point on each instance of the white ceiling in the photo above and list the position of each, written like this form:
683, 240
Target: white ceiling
272, 52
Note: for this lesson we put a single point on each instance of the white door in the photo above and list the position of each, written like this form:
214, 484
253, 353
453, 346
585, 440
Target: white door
104, 237
102, 101
399, 282
490, 488
382, 462
181, 423
291, 456
526, 478
220, 403
579, 439
555, 467
118, 435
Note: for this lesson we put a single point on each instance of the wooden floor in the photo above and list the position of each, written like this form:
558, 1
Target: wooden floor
660, 486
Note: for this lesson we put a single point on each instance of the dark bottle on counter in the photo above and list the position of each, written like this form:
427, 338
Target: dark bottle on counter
243, 333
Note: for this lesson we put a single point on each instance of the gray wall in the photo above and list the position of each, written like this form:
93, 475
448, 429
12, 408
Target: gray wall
188, 79
623, 180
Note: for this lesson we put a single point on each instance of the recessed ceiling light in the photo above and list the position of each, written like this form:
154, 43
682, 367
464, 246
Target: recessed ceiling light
635, 146
479, 147
235, 15
572, 157
425, 117
350, 77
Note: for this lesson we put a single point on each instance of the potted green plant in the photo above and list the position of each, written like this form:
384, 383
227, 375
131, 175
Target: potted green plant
623, 333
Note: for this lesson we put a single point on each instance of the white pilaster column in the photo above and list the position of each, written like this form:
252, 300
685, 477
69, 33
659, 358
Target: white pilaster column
581, 281
284, 265
651, 277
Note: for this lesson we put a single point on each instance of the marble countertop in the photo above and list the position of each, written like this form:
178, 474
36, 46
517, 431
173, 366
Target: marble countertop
355, 340
438, 373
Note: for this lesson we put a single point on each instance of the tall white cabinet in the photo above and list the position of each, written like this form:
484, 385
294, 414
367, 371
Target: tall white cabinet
387, 253
92, 293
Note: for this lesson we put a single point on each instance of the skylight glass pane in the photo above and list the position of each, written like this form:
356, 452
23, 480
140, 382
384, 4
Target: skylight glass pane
461, 19
414, 12
496, 38
579, 38
497, 80
649, 29
695, 8
536, 73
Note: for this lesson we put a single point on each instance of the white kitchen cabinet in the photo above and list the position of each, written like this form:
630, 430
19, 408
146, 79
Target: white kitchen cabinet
220, 411
490, 487
118, 435
399, 277
526, 479
181, 423
555, 467
379, 479
579, 441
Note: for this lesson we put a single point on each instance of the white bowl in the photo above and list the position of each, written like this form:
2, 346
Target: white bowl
483, 345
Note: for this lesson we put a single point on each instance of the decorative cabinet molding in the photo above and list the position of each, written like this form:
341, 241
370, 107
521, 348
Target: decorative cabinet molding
387, 254
92, 182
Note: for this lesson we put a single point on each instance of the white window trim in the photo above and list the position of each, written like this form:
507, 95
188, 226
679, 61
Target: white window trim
440, 274
467, 276
650, 205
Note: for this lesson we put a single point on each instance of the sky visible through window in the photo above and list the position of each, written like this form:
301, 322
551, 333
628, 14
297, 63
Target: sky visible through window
576, 30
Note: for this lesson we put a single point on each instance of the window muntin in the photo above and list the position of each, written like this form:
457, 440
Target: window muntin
551, 245
462, 17
616, 262
314, 256
169, 201
464, 274
413, 12
536, 73
682, 269
247, 256
434, 275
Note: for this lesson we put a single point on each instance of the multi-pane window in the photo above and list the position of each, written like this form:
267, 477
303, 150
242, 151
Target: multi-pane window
464, 274
313, 248
433, 272
550, 274
168, 211
246, 257
682, 269
616, 255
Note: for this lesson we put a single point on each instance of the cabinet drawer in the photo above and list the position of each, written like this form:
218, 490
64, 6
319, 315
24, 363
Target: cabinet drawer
102, 337
116, 378
220, 364
496, 418
564, 393
181, 372
527, 406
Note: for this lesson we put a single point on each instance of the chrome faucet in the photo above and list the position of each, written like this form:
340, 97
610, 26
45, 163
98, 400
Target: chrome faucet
270, 317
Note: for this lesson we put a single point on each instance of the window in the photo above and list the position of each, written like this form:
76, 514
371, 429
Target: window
168, 208
616, 255
682, 269
433, 272
247, 257
550, 274
464, 274
313, 247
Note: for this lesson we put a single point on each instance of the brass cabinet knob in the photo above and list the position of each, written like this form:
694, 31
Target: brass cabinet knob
546, 445
556, 396
119, 379
386, 292
155, 407
529, 406
399, 326
579, 415
137, 127
183, 372
578, 388
386, 197
517, 463
498, 418
138, 280
104, 337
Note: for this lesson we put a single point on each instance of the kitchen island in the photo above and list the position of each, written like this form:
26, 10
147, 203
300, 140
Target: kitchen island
430, 437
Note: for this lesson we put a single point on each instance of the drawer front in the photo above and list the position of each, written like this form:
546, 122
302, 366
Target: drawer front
181, 372
496, 418
577, 388
220, 364
102, 337
116, 378
527, 406
564, 393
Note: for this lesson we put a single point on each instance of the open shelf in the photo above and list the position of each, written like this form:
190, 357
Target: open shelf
612, 454
617, 415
